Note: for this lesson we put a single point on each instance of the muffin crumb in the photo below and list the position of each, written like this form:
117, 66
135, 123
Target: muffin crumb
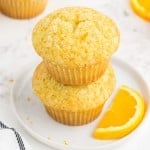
11, 81
28, 98
49, 138
66, 142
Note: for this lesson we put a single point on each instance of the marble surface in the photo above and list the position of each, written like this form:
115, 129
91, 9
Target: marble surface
16, 51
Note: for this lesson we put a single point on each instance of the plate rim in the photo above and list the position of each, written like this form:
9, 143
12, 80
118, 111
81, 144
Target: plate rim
57, 145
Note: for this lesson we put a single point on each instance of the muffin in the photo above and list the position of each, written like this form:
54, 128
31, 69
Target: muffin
22, 9
76, 44
72, 105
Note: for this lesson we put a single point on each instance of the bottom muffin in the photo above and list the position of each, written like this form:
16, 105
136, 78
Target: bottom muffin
72, 105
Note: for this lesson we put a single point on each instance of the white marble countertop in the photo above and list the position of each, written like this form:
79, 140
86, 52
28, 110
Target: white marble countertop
16, 50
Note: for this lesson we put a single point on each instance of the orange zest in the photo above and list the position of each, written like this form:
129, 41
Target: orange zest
123, 116
142, 8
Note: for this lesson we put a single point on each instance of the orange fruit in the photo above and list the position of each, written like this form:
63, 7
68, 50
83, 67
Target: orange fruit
123, 116
142, 8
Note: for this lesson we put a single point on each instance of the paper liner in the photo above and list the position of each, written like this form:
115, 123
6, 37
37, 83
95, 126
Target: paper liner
76, 76
22, 9
74, 118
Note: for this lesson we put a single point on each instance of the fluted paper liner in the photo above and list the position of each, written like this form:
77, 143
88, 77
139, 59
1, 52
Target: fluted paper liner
76, 76
74, 118
22, 9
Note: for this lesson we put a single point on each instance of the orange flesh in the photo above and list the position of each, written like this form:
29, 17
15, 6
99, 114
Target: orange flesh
145, 4
142, 8
123, 105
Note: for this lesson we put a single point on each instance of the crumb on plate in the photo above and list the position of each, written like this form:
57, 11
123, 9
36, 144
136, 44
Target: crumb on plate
49, 138
66, 142
11, 81
28, 98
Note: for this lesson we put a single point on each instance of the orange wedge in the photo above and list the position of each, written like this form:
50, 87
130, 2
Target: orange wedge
123, 116
142, 8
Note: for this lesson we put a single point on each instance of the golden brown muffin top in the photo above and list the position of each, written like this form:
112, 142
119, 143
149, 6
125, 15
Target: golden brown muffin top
72, 98
75, 36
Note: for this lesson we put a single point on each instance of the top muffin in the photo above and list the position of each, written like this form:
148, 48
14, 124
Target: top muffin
75, 36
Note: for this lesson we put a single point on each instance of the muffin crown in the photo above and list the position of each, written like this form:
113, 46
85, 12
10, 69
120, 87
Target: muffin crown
75, 36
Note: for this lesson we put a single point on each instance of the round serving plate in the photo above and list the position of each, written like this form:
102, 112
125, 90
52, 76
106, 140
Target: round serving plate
33, 117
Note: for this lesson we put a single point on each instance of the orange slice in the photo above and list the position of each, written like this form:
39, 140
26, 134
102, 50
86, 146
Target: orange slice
123, 116
142, 8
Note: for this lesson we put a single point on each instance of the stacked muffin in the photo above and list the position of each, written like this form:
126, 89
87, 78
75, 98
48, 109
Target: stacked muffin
75, 78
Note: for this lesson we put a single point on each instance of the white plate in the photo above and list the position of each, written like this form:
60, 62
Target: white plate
33, 117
